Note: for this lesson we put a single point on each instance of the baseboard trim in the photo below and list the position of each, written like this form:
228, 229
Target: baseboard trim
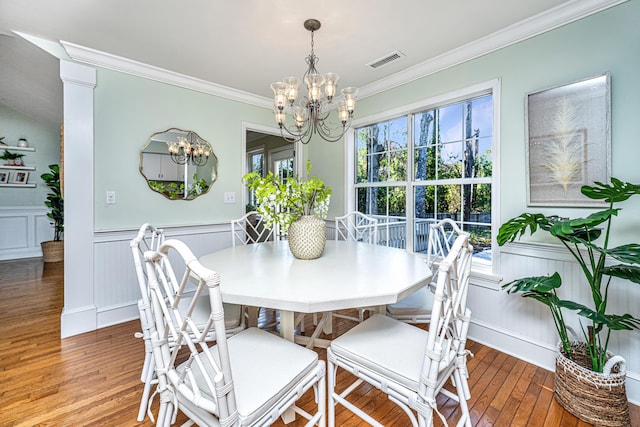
112, 315
20, 253
78, 321
536, 353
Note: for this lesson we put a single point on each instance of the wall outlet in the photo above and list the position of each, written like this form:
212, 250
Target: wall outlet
229, 197
110, 197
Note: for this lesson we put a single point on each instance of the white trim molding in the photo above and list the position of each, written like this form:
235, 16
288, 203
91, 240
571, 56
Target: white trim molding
117, 63
22, 229
79, 312
553, 18
548, 20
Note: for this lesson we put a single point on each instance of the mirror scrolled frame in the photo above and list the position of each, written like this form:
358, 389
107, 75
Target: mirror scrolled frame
179, 164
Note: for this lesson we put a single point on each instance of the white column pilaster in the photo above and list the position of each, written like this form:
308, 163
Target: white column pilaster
79, 313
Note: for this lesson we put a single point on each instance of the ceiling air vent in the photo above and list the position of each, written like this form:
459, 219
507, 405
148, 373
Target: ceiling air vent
387, 59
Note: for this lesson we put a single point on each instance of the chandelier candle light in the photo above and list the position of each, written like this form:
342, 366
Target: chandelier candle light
310, 115
190, 149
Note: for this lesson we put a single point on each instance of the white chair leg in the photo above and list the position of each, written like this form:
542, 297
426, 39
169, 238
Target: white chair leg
149, 370
331, 404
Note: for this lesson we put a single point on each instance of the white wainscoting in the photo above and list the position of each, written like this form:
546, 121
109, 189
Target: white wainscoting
524, 328
22, 228
115, 284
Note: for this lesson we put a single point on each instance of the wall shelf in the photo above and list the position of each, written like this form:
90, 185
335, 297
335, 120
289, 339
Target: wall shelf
18, 168
19, 185
16, 148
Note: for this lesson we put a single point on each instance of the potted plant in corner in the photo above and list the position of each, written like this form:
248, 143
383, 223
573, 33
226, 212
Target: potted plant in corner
296, 206
53, 250
589, 380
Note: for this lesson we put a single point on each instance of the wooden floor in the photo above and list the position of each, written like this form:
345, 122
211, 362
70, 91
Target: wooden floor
93, 379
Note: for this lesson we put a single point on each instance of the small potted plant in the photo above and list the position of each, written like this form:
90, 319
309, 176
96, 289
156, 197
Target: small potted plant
53, 250
12, 159
296, 206
587, 383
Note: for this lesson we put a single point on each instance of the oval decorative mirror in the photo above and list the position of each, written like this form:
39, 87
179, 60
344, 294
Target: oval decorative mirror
178, 164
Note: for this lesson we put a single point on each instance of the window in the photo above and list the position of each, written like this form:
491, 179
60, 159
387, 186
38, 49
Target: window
255, 163
431, 162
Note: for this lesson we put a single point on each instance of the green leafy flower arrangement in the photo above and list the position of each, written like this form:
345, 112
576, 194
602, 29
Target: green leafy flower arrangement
281, 202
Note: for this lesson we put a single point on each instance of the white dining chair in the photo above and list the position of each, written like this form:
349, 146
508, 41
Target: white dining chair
406, 362
248, 379
150, 238
358, 227
250, 228
246, 230
416, 308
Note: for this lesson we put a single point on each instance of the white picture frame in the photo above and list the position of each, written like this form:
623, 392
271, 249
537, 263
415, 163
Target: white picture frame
568, 141
20, 177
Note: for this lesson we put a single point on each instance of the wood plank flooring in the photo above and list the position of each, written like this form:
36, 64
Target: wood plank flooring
93, 379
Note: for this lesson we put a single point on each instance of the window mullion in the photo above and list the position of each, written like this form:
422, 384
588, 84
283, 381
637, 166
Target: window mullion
410, 210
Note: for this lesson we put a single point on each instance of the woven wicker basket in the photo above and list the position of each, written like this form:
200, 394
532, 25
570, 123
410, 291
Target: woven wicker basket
53, 250
599, 399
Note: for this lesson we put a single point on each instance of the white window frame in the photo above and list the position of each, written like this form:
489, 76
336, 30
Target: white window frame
484, 272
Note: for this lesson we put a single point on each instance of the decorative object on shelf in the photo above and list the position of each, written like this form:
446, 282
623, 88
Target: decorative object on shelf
2, 144
311, 114
173, 176
11, 158
20, 177
190, 149
53, 250
568, 142
579, 236
23, 143
4, 177
281, 202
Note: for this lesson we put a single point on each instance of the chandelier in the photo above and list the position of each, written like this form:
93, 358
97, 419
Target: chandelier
190, 149
310, 114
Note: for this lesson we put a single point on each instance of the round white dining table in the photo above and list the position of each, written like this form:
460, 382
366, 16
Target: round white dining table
347, 275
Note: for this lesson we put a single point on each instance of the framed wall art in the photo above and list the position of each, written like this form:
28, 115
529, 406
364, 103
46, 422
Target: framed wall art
568, 137
4, 177
20, 177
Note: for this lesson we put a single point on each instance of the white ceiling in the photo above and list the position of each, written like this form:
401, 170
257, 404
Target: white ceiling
246, 45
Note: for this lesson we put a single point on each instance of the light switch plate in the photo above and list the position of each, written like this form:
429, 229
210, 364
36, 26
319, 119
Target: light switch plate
229, 197
110, 197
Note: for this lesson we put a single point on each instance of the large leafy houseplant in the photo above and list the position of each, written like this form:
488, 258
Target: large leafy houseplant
54, 201
587, 239
281, 202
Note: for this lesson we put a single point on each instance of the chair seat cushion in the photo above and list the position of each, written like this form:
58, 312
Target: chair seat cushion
393, 349
264, 368
419, 302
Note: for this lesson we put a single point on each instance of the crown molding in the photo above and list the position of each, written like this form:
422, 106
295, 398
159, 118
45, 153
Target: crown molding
531, 27
117, 63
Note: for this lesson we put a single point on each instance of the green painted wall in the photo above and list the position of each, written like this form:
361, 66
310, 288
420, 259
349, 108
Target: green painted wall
128, 110
608, 41
45, 138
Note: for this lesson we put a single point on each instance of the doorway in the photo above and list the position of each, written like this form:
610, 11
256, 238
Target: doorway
266, 151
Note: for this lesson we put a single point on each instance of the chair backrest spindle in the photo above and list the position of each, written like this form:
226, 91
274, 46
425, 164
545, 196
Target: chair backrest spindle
358, 227
250, 228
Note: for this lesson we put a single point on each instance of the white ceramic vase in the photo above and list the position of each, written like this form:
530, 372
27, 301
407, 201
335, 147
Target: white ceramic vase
307, 236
